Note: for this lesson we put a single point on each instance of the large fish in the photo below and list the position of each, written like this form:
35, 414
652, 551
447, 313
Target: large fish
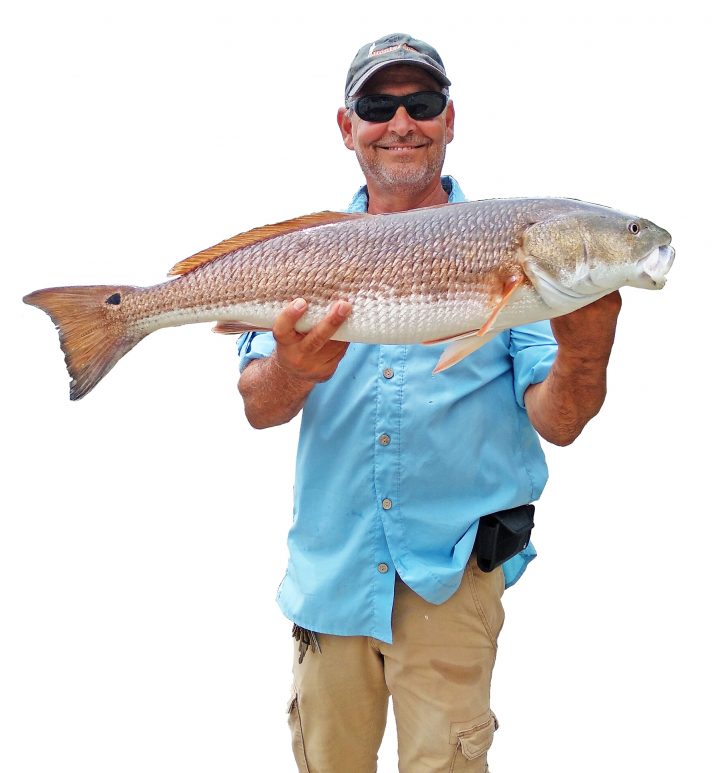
457, 273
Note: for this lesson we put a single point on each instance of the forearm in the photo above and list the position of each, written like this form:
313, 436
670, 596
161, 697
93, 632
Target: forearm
274, 389
573, 392
271, 395
575, 388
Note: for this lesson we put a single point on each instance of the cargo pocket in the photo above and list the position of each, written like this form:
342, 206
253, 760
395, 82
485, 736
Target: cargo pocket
472, 740
294, 723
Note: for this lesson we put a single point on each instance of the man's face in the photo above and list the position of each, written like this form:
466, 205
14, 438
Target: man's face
401, 153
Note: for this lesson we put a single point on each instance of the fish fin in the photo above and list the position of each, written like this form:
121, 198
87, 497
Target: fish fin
260, 234
509, 287
461, 348
235, 328
93, 335
449, 339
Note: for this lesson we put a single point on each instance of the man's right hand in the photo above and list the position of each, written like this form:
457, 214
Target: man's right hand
275, 388
310, 356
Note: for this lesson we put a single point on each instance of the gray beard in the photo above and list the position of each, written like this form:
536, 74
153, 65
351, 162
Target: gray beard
411, 177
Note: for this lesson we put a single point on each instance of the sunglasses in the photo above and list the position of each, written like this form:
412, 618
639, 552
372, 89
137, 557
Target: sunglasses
378, 108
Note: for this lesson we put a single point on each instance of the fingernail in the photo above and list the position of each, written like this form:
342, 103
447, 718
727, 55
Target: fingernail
299, 304
341, 309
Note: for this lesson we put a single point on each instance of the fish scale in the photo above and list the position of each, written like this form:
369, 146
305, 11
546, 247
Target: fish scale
457, 272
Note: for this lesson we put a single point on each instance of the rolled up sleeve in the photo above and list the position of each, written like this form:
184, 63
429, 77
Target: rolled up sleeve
533, 349
255, 346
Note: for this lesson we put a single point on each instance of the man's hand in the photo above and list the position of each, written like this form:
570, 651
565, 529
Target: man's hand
588, 333
274, 389
575, 388
311, 356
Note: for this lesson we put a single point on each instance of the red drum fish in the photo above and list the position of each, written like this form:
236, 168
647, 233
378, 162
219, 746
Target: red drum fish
455, 274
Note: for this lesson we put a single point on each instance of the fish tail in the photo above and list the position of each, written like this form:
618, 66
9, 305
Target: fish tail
94, 331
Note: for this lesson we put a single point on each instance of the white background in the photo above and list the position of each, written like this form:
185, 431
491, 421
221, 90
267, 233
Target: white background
143, 528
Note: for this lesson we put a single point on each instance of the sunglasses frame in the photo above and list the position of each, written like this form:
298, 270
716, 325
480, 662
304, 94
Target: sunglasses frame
405, 101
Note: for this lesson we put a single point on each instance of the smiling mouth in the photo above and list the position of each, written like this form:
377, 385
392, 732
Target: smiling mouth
400, 148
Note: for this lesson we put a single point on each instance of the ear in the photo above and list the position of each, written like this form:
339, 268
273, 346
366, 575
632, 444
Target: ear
449, 122
344, 120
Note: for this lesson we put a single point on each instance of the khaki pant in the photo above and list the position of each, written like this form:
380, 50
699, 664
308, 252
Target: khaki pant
438, 672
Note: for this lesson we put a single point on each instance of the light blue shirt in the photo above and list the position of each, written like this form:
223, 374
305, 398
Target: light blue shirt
396, 465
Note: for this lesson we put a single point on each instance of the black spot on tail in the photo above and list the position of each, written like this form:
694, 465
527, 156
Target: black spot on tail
114, 299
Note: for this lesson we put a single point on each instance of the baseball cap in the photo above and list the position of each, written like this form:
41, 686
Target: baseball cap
396, 48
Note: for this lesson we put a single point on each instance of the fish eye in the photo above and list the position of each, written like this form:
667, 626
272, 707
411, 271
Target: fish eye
634, 227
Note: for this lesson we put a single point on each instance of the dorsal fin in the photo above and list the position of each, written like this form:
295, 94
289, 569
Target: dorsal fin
258, 235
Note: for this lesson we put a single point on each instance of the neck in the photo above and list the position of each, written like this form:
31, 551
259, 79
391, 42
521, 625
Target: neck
382, 200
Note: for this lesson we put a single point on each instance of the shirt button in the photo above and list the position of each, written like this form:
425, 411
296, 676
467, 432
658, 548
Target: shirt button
387, 504
385, 440
383, 568
387, 373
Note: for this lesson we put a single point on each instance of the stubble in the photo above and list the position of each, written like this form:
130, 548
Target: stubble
402, 174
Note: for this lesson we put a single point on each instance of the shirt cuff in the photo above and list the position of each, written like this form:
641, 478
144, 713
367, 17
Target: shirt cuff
533, 349
255, 346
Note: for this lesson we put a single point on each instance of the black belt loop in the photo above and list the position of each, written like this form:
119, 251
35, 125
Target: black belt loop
503, 535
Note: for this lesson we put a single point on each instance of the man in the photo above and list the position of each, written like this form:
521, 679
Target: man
396, 466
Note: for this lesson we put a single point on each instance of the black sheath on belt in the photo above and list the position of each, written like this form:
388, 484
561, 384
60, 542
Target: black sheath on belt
502, 535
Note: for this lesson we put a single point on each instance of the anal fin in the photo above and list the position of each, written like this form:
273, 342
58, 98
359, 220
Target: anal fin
449, 339
235, 328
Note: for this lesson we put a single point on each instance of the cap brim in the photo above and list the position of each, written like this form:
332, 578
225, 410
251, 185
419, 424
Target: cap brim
437, 74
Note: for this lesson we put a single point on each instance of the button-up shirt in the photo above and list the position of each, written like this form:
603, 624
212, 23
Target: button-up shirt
396, 465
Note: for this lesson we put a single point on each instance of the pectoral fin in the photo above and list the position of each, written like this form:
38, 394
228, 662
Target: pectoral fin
460, 348
509, 287
462, 345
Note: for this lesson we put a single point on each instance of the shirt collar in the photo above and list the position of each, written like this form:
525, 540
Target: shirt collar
360, 202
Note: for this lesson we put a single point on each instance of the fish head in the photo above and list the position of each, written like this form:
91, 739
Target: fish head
574, 258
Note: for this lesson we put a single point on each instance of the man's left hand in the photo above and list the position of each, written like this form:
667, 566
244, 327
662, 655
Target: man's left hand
588, 333
576, 386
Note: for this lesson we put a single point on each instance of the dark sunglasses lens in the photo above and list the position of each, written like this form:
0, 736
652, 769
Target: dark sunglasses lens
381, 107
377, 108
425, 105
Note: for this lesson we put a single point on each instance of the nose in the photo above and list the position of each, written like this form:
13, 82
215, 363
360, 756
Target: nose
401, 122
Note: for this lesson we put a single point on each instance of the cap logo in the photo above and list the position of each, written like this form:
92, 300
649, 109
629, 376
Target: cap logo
373, 52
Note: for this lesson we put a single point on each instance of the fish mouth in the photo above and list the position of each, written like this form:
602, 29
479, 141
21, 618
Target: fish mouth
652, 270
586, 286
